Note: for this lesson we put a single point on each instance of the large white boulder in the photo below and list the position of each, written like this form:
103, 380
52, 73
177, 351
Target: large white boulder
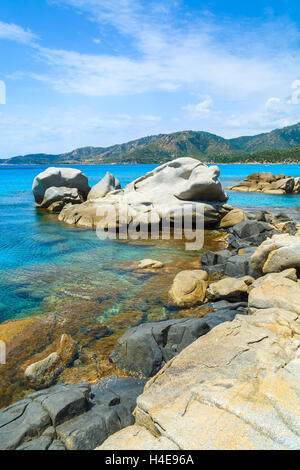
59, 177
165, 191
184, 179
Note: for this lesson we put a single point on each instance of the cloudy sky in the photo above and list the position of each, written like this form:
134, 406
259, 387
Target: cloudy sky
100, 72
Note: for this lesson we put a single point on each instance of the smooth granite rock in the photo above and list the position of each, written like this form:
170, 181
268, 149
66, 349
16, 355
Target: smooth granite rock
62, 196
189, 288
59, 177
233, 217
163, 194
107, 184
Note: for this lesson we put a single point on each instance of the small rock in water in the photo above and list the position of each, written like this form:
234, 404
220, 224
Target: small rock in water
150, 264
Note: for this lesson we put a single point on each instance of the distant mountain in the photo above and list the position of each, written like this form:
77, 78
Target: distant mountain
279, 139
270, 146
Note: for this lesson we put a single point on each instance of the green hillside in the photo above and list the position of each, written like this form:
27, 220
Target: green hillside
280, 145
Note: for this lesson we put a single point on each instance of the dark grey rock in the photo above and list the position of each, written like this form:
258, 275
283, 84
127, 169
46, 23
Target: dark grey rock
42, 443
21, 422
238, 266
117, 390
245, 229
56, 445
61, 405
85, 432
216, 269
144, 350
209, 258
220, 316
70, 416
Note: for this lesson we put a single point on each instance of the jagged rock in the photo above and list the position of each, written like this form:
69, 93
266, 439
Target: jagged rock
278, 293
44, 373
269, 184
288, 273
189, 288
106, 185
264, 252
229, 289
235, 388
239, 266
219, 257
283, 258
59, 177
232, 218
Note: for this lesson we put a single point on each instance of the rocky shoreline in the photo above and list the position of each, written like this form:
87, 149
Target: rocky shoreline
268, 183
224, 377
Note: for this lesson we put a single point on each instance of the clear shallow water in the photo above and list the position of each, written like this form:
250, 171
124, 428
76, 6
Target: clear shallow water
288, 203
34, 245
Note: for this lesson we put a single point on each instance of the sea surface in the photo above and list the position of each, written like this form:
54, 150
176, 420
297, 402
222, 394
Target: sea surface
34, 245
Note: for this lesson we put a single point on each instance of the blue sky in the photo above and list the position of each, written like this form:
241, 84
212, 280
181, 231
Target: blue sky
100, 72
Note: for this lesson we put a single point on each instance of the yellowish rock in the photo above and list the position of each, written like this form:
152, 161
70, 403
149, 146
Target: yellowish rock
189, 288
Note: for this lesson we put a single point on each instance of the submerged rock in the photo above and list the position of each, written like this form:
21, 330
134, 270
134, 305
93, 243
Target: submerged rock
44, 373
150, 264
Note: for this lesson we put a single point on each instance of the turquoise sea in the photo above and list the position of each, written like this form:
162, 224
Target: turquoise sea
38, 254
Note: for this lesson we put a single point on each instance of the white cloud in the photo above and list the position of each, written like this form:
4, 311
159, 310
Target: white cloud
200, 109
233, 61
16, 33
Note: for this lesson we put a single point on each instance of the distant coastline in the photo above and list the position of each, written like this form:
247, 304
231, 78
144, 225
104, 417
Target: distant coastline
281, 146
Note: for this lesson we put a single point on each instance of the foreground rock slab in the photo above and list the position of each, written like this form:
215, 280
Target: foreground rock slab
70, 417
236, 388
